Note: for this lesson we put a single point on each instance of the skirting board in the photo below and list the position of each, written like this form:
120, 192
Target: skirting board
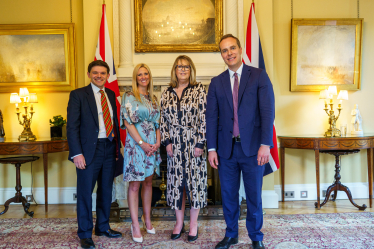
270, 199
65, 196
359, 190
55, 195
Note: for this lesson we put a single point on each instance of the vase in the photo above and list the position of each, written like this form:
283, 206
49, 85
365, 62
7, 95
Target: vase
56, 133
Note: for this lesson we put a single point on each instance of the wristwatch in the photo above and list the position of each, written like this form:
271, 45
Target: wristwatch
140, 142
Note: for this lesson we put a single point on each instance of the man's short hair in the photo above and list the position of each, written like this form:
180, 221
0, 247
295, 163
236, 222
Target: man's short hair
98, 63
227, 36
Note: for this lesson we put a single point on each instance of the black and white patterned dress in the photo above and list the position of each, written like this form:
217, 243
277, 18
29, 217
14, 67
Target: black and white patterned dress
183, 125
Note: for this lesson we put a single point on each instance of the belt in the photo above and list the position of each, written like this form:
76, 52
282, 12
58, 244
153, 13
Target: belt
236, 139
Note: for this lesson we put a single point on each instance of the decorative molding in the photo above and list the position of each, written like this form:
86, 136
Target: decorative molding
240, 21
125, 32
160, 81
115, 33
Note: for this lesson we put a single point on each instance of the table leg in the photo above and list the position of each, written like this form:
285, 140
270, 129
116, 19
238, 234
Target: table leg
282, 166
45, 166
316, 155
370, 175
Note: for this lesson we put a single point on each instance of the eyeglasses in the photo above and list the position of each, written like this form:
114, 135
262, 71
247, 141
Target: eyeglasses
184, 68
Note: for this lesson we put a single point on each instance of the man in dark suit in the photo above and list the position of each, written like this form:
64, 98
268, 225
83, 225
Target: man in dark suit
93, 137
240, 115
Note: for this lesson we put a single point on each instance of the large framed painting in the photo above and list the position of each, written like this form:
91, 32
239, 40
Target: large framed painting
178, 26
326, 52
40, 57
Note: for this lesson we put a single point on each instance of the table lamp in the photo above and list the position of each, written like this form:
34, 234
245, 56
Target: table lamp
325, 94
26, 99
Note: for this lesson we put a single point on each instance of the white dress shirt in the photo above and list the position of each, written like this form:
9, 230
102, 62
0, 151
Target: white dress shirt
232, 77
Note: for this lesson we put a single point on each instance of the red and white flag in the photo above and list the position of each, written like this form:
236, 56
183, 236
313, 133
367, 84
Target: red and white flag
253, 57
104, 53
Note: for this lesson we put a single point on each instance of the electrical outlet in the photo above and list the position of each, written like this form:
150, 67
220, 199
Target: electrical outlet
29, 198
289, 194
74, 197
324, 193
304, 194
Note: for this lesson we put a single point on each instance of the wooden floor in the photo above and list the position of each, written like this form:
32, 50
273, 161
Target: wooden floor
289, 207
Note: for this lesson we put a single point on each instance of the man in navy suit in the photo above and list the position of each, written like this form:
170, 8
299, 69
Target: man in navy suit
93, 138
240, 115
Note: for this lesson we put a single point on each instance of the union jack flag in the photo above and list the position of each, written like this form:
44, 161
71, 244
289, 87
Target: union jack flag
104, 53
253, 57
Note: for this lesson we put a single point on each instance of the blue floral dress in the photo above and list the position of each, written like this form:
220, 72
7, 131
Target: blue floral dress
145, 115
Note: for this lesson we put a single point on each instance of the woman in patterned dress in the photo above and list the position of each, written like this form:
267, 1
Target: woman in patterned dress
183, 107
140, 116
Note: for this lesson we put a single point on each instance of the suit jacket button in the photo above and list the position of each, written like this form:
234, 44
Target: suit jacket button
230, 131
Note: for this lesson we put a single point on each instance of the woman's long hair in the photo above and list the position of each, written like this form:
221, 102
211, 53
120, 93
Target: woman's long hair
135, 89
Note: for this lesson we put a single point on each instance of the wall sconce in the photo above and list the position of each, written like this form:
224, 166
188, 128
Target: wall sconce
26, 99
328, 94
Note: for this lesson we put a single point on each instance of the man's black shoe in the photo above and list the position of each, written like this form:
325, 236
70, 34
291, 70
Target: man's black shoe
226, 243
109, 233
258, 245
87, 243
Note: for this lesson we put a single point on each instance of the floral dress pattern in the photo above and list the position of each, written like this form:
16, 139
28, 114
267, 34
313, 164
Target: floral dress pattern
145, 115
183, 125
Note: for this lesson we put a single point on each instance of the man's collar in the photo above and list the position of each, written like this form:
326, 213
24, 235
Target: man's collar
239, 71
96, 89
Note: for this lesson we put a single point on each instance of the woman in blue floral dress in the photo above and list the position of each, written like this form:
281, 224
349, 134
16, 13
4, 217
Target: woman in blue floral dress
140, 116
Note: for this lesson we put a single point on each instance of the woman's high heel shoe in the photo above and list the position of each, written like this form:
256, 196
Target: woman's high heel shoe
177, 236
139, 240
152, 231
193, 238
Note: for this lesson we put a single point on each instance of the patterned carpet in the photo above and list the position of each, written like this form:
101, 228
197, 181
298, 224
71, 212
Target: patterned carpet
343, 230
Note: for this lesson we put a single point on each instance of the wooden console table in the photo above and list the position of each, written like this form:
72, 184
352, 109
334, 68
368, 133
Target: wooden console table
40, 146
321, 143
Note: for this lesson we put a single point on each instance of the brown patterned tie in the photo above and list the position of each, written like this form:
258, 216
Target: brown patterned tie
106, 116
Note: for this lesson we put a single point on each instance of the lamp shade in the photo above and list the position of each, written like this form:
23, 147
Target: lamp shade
323, 94
14, 98
33, 98
332, 90
343, 94
23, 92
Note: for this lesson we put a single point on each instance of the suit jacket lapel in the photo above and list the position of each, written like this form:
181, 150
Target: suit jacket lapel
243, 82
92, 102
226, 83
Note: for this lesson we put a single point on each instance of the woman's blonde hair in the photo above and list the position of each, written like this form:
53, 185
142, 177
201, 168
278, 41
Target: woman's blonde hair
174, 79
135, 89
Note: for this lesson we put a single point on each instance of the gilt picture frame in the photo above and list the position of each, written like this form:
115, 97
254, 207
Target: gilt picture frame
41, 57
326, 52
167, 26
